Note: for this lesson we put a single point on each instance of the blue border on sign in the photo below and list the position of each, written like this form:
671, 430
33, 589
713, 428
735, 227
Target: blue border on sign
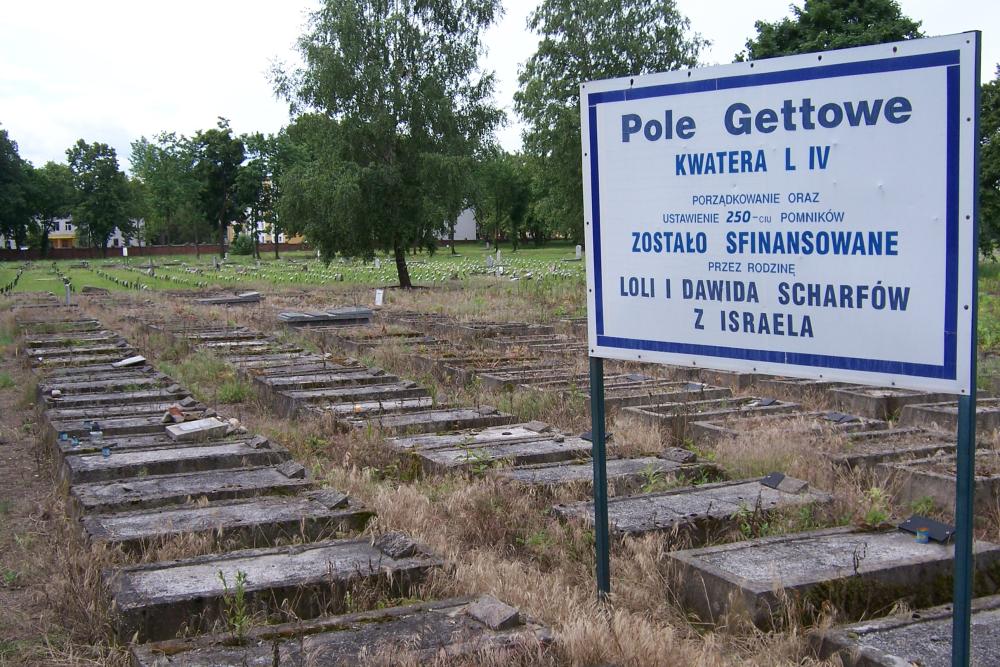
948, 59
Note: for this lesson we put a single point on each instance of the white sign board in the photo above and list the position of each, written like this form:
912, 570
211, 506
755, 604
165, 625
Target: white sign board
809, 216
379, 297
124, 251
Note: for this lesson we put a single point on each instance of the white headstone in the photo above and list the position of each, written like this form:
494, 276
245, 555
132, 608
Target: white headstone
489, 261
498, 255
579, 252
378, 263
379, 296
124, 251
67, 293
317, 253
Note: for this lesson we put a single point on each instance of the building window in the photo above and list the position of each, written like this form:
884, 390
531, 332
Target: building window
69, 227
114, 242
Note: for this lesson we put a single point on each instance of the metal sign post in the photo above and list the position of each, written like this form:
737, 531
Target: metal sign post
600, 459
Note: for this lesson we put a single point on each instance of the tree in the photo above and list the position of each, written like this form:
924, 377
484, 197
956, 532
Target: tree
255, 185
583, 40
102, 194
820, 25
218, 158
989, 166
15, 191
165, 168
54, 197
503, 196
401, 101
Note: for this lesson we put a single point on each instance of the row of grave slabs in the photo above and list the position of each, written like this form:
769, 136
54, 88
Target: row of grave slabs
861, 572
145, 464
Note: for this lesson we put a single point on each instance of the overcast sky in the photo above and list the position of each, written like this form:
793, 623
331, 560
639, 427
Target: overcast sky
115, 70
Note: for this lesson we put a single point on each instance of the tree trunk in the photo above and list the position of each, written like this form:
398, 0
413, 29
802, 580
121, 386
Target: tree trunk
274, 238
45, 241
197, 248
222, 238
401, 269
451, 237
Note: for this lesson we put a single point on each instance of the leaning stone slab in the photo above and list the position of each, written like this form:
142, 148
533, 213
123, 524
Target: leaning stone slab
881, 402
865, 449
156, 601
854, 571
944, 416
673, 418
921, 637
250, 522
697, 511
624, 475
199, 429
86, 468
934, 478
422, 633
429, 421
162, 490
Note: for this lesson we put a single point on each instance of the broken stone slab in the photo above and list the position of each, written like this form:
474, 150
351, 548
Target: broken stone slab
881, 402
624, 475
161, 490
480, 457
944, 416
783, 425
673, 418
334, 316
135, 360
249, 522
921, 637
230, 300
696, 511
933, 478
418, 633
865, 449
157, 600
853, 571
199, 429
293, 400
430, 421
86, 468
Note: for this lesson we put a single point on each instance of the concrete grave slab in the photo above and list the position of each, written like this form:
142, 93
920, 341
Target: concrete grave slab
737, 380
624, 475
64, 340
475, 437
418, 634
881, 402
921, 637
480, 457
795, 389
944, 416
348, 316
370, 409
865, 449
86, 468
124, 382
230, 300
428, 421
249, 522
132, 443
156, 395
60, 412
934, 477
162, 490
118, 426
290, 402
696, 511
857, 572
75, 360
155, 601
783, 425
673, 418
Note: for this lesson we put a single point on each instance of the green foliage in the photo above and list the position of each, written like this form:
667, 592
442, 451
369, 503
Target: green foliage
165, 169
242, 245
989, 165
877, 511
235, 608
820, 25
6, 381
502, 196
218, 157
54, 197
233, 391
583, 41
103, 196
924, 506
15, 191
402, 108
